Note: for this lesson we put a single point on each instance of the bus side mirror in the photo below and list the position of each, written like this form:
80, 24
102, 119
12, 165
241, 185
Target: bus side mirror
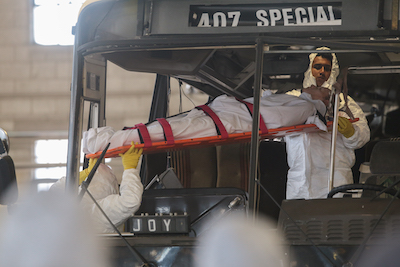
4, 143
8, 181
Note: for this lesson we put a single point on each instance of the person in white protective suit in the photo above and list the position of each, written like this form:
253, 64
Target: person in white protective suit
118, 202
236, 241
49, 229
309, 153
277, 110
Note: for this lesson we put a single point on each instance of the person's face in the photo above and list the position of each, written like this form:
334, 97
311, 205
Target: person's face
321, 69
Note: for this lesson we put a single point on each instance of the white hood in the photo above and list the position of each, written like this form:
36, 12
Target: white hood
309, 79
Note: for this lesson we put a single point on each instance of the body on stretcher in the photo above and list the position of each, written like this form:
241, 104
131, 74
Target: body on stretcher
157, 147
226, 119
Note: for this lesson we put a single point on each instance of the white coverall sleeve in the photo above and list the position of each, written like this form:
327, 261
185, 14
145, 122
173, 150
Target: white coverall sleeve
361, 129
120, 207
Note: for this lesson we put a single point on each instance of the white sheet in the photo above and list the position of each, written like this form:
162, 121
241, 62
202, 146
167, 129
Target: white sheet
278, 110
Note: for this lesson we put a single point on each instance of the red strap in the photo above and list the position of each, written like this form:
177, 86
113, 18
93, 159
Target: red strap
145, 134
263, 126
167, 131
217, 121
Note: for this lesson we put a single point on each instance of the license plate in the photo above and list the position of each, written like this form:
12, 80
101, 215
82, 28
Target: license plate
159, 224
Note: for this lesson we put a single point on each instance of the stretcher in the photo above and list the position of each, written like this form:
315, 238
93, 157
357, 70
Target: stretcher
217, 140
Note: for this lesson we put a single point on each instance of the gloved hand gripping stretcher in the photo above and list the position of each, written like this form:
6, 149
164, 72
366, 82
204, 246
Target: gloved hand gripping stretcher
225, 120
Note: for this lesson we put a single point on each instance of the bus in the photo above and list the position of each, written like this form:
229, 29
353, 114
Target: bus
240, 48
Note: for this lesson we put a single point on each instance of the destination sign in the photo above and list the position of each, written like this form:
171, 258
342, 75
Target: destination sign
159, 224
266, 15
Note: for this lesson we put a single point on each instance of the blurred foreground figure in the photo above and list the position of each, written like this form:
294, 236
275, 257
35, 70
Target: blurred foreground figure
47, 230
237, 241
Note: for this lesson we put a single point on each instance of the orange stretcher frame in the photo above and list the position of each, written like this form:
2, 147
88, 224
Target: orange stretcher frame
217, 140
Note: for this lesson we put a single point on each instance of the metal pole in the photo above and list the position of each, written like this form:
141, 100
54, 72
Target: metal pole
255, 138
333, 143
75, 121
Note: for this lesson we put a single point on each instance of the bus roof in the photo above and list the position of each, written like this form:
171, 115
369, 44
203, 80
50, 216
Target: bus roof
184, 39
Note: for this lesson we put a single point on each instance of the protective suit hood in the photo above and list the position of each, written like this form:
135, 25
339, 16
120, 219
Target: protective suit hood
309, 79
104, 183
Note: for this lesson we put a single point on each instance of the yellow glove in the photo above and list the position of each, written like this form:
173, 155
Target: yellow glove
130, 158
83, 174
345, 127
